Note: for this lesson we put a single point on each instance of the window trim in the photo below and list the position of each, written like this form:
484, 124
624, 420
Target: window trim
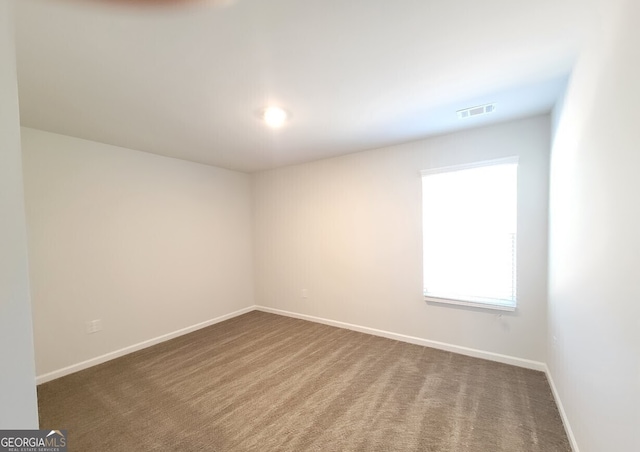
474, 304
489, 303
465, 166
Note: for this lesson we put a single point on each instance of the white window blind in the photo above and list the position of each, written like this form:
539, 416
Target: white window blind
469, 233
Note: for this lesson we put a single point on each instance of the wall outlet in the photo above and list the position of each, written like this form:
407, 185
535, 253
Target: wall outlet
93, 326
305, 293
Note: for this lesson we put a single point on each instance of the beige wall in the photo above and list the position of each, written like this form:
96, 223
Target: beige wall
348, 230
18, 408
594, 296
147, 244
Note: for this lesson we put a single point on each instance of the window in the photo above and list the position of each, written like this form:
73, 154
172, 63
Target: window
469, 234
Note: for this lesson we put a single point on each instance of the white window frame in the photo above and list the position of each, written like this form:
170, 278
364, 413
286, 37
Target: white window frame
480, 302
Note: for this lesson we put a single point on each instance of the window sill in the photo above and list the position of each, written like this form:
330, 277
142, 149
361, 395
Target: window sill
473, 304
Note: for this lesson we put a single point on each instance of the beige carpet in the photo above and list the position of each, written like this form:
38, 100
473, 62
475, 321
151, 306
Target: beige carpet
262, 382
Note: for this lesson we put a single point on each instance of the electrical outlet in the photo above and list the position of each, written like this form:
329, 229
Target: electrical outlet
305, 293
93, 326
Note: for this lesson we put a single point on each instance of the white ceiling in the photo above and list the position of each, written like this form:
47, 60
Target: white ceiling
187, 81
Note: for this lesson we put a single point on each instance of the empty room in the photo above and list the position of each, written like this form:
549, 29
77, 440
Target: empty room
322, 225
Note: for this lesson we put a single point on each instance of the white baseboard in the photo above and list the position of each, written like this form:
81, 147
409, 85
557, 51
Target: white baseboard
563, 413
520, 362
505, 359
134, 348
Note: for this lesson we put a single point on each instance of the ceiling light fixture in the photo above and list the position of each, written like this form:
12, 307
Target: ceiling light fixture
274, 117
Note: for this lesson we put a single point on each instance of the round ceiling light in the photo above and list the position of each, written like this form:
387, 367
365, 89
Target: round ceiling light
274, 117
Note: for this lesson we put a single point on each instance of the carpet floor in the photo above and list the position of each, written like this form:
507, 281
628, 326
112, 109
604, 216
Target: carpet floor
263, 382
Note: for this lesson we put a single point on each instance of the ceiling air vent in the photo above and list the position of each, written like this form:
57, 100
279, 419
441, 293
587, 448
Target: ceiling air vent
476, 111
